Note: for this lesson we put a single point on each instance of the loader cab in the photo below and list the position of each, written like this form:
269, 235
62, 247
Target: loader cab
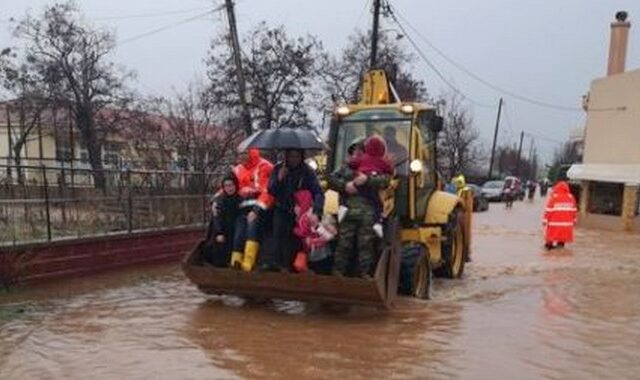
410, 132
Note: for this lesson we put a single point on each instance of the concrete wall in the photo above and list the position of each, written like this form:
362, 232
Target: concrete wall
77, 257
613, 136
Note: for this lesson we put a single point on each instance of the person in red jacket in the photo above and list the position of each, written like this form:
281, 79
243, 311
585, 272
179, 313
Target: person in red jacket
374, 161
253, 179
559, 216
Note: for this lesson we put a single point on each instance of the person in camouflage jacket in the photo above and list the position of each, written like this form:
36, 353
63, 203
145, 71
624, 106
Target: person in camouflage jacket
356, 237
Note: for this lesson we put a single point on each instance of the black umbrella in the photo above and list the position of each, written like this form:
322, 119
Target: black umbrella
282, 138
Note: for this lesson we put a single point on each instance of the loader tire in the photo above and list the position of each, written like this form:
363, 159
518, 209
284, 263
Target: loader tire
415, 272
453, 249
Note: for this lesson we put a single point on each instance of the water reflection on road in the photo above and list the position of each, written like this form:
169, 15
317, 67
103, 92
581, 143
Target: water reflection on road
520, 312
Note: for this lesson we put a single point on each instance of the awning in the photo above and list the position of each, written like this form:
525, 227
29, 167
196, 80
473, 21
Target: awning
617, 173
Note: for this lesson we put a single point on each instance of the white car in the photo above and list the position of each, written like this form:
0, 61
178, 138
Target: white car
492, 190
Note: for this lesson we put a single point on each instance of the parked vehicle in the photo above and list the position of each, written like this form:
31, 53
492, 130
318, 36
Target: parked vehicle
492, 190
480, 203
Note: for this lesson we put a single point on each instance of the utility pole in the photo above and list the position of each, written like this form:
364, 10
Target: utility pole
495, 139
519, 152
374, 33
235, 51
7, 110
531, 173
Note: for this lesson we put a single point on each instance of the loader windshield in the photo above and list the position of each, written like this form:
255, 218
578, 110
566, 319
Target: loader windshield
393, 126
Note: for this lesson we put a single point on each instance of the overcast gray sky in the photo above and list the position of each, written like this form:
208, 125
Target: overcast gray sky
549, 50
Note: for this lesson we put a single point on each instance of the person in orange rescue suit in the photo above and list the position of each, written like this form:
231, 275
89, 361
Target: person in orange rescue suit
559, 216
253, 179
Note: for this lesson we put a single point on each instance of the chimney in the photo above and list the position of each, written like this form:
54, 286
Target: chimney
618, 44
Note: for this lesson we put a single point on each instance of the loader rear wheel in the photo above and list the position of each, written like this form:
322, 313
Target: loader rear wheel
453, 247
415, 273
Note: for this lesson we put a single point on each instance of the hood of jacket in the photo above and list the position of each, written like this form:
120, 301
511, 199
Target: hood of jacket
561, 188
375, 146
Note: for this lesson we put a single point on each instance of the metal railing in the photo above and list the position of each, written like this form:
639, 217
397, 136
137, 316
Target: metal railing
40, 203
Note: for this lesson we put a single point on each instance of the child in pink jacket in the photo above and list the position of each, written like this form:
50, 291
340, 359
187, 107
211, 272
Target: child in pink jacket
312, 234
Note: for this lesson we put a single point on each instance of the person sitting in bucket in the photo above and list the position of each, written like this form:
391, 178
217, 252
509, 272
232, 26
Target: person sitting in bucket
253, 176
314, 235
559, 216
224, 208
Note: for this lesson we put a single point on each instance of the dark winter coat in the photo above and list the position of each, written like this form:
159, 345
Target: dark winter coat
228, 210
300, 178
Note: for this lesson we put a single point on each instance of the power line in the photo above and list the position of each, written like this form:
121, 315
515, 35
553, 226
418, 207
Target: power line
145, 15
532, 135
432, 66
170, 26
482, 80
543, 137
127, 16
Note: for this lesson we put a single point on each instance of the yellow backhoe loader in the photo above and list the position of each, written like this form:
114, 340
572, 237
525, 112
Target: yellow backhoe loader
427, 231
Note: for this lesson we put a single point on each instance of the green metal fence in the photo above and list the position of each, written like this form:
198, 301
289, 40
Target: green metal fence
40, 203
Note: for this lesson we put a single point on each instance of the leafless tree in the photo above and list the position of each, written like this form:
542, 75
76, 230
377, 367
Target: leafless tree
568, 153
459, 141
279, 70
74, 55
509, 164
187, 126
341, 76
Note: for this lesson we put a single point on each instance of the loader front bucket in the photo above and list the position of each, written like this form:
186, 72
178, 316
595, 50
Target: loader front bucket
303, 287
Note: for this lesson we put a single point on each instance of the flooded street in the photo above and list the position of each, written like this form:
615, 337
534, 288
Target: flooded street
519, 312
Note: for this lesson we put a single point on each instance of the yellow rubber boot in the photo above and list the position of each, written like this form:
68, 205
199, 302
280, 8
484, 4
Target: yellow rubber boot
251, 248
236, 259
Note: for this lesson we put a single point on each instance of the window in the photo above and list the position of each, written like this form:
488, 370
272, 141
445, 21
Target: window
392, 125
111, 152
84, 157
605, 198
111, 158
63, 148
63, 154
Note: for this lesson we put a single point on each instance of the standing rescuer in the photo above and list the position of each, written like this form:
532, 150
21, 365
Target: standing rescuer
559, 216
460, 183
253, 179
356, 237
289, 177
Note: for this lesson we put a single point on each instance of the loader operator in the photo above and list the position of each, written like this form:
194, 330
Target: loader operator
398, 152
356, 237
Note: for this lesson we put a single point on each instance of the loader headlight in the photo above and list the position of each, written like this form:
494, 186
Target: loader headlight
343, 111
406, 108
416, 166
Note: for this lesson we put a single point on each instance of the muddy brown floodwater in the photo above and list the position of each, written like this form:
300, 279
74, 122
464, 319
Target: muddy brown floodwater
518, 313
